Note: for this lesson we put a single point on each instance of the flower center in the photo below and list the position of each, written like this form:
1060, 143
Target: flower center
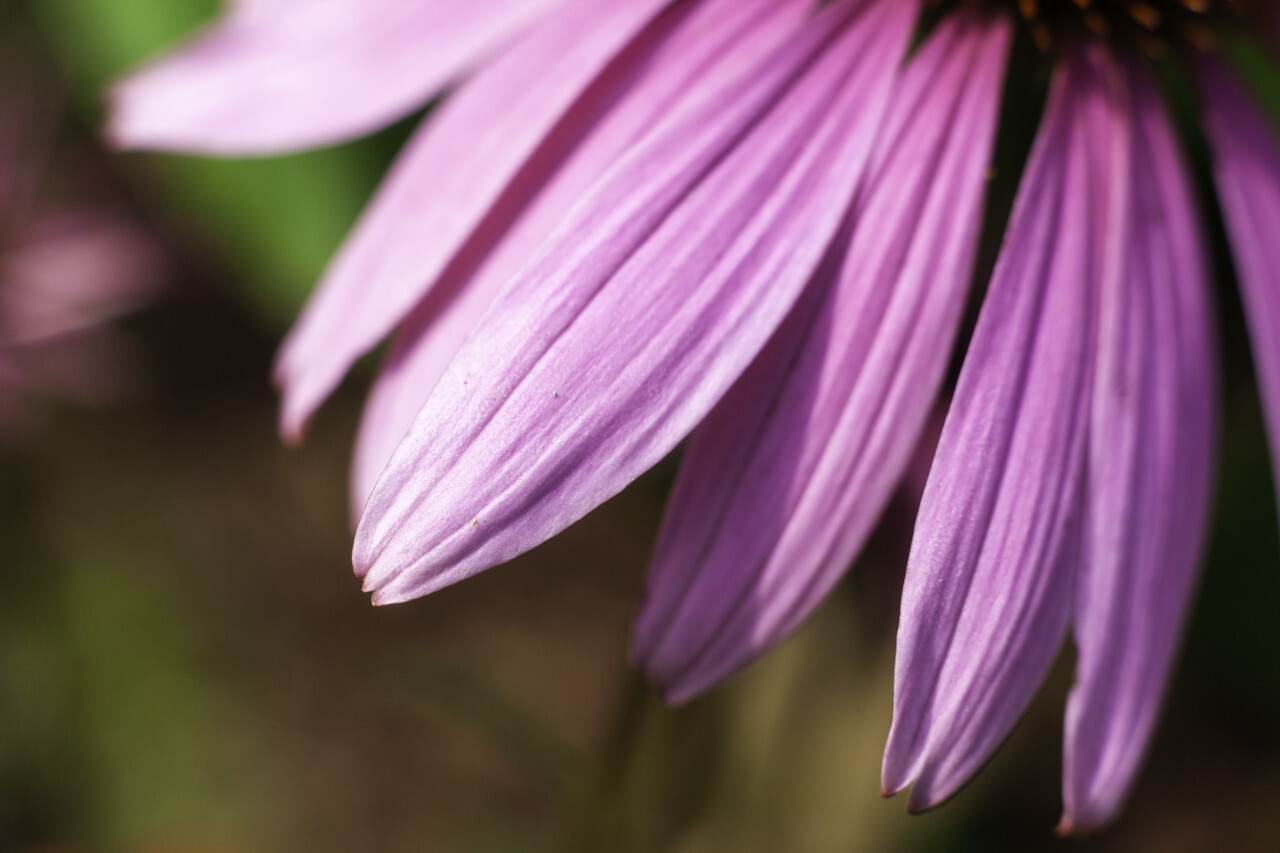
1152, 25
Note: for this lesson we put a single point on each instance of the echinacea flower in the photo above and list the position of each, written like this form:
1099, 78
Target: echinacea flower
752, 223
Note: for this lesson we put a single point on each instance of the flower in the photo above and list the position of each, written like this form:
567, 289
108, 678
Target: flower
752, 223
68, 266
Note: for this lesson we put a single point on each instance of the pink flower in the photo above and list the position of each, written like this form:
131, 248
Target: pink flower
67, 266
752, 223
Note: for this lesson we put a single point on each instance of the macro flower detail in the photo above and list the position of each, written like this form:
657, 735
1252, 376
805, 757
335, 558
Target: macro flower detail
1071, 479
784, 479
752, 224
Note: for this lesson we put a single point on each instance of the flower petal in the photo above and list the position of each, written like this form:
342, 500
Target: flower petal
992, 564
1150, 444
458, 183
283, 76
655, 296
666, 67
1246, 169
784, 480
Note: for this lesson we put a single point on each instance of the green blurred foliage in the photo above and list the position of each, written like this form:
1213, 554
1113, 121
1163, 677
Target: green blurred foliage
274, 223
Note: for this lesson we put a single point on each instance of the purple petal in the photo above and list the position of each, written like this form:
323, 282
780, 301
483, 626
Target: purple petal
1246, 168
655, 296
646, 82
283, 76
467, 172
992, 565
1150, 443
784, 480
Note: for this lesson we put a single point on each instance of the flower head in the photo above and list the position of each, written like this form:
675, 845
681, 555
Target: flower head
752, 223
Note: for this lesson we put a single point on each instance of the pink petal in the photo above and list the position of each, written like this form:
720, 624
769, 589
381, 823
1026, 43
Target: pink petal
644, 84
282, 76
1246, 169
656, 294
784, 480
992, 565
73, 270
1149, 449
463, 177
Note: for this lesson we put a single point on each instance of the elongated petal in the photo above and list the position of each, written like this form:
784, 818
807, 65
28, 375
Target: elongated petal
654, 74
275, 77
658, 292
462, 178
783, 482
1149, 449
992, 566
1246, 169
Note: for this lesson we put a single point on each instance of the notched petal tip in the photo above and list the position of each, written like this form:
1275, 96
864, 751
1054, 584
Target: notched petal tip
891, 789
925, 794
894, 776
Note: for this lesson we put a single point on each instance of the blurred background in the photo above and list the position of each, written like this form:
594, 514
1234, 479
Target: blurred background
187, 662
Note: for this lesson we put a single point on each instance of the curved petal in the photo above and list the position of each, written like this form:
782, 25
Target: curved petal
1246, 169
1150, 444
656, 294
992, 567
272, 77
782, 483
665, 67
466, 173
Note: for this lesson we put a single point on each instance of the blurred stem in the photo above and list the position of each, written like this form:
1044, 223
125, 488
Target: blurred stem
606, 822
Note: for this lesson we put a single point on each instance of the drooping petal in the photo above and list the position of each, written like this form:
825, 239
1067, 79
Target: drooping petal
466, 173
1150, 444
992, 567
657, 293
783, 481
1246, 169
294, 74
436, 328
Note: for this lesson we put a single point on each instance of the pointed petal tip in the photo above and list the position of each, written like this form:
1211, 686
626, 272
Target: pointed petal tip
1071, 826
891, 787
1080, 819
679, 680
388, 591
921, 798
292, 435
895, 775
674, 694
294, 417
928, 789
